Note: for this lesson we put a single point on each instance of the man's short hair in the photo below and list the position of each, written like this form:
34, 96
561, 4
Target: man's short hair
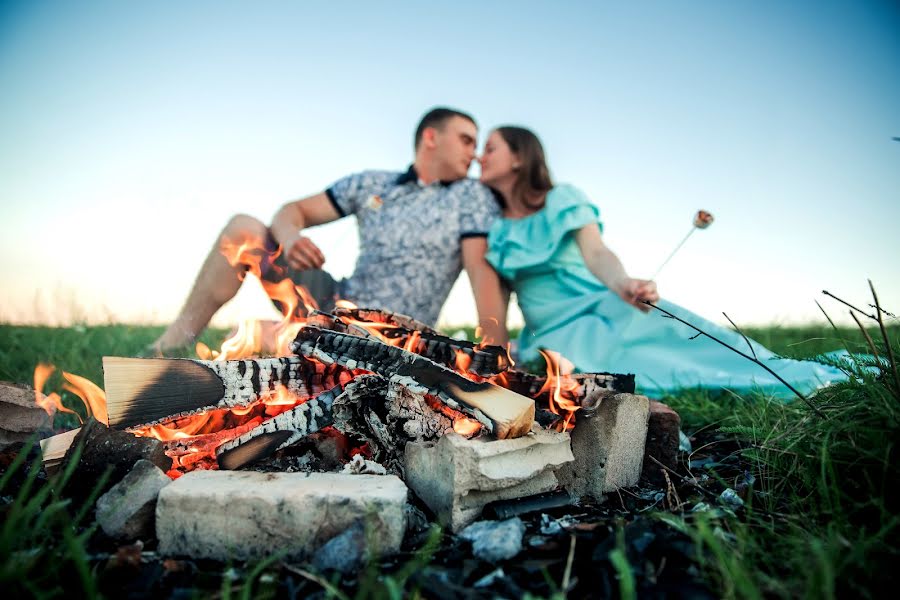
437, 117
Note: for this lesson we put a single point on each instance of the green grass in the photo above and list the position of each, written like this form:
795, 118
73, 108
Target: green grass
820, 520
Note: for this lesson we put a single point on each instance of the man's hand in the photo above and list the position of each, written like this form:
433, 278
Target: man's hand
299, 251
636, 291
303, 255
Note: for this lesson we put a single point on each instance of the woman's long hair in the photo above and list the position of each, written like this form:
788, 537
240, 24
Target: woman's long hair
533, 181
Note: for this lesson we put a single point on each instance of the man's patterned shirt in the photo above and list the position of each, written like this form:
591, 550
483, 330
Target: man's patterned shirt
410, 237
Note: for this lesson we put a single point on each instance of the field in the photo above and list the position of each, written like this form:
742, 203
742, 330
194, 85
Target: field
817, 520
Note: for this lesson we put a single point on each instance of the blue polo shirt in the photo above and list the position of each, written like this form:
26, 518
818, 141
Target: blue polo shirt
409, 237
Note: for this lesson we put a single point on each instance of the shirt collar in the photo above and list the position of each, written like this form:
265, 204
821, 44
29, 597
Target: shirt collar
411, 176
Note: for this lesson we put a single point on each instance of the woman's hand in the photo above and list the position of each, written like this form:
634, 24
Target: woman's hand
636, 291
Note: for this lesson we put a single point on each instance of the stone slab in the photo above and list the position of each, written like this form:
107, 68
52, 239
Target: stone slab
608, 446
19, 412
457, 477
127, 510
248, 515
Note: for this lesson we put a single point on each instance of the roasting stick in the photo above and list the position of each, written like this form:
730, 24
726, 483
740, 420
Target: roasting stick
702, 220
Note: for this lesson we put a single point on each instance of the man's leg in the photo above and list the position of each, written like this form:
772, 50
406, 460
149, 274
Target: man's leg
216, 284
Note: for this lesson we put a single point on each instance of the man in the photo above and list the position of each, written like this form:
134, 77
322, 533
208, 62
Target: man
417, 229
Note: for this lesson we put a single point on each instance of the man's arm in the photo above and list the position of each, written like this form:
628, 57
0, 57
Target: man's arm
491, 300
287, 225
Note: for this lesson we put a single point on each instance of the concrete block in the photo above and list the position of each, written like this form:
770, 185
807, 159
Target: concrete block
457, 477
249, 515
608, 444
127, 510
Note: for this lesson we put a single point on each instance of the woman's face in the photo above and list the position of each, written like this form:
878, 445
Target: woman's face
498, 163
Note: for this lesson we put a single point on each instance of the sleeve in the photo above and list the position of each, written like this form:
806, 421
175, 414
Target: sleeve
535, 241
569, 209
349, 193
478, 210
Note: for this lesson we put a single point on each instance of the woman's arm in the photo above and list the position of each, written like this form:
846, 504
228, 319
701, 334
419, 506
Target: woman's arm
607, 267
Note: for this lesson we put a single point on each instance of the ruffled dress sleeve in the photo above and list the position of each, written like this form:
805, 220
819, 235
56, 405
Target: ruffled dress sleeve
515, 245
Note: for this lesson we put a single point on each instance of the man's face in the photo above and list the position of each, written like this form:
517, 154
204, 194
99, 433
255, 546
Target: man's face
455, 147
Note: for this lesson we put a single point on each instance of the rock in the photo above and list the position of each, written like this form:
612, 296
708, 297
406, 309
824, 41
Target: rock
456, 477
359, 465
663, 438
494, 541
608, 446
247, 515
345, 553
106, 448
127, 510
730, 499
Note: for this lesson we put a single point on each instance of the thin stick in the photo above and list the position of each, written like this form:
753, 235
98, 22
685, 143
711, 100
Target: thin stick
684, 479
887, 342
865, 334
827, 293
680, 244
837, 331
567, 574
887, 312
738, 329
329, 587
747, 356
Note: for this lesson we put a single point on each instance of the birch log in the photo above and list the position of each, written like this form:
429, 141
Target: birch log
145, 391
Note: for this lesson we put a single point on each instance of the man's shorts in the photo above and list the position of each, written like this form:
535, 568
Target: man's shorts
320, 284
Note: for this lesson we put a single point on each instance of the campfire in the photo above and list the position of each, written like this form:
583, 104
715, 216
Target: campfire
382, 377
452, 419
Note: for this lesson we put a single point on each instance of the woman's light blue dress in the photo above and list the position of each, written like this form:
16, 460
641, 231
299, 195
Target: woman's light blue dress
568, 310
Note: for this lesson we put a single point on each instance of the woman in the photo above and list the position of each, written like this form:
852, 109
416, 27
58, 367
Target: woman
578, 300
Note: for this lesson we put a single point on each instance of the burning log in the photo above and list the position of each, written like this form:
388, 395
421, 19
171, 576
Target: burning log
144, 391
463, 355
371, 315
504, 413
281, 430
590, 384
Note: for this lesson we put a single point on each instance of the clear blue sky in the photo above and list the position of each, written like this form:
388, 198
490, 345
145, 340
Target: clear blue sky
129, 132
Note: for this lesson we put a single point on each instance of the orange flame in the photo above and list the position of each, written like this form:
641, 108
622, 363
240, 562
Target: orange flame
462, 424
463, 361
52, 402
244, 343
93, 397
561, 387
466, 427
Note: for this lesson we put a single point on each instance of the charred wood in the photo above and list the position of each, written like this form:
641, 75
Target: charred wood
387, 416
501, 411
481, 360
590, 384
372, 315
280, 431
107, 449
